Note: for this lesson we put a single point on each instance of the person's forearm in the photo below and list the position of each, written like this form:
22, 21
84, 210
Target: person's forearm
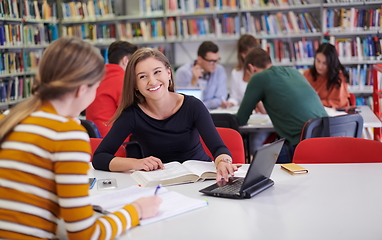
119, 164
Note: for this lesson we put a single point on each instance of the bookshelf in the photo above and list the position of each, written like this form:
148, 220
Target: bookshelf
377, 96
26, 28
290, 30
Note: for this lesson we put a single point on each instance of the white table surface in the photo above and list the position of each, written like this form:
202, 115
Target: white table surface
338, 201
263, 122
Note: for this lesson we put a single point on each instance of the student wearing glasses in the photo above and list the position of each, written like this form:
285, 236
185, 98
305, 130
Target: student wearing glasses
207, 74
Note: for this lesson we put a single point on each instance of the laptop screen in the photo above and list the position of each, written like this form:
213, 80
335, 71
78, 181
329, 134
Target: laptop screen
263, 163
196, 92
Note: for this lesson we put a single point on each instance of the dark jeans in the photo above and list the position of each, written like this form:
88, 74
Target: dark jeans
286, 153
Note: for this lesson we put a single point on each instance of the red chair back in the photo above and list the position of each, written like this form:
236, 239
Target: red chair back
94, 142
338, 150
352, 99
234, 142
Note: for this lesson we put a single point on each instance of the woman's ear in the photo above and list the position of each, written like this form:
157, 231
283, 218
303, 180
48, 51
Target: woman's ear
169, 73
81, 90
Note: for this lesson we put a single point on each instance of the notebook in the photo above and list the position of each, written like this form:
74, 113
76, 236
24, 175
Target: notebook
196, 92
257, 178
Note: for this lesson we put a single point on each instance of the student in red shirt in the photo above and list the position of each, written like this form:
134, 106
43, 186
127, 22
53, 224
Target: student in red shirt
329, 77
110, 89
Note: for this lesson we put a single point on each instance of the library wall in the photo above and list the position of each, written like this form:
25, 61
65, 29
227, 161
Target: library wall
290, 30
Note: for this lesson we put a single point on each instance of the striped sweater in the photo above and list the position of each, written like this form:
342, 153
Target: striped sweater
43, 178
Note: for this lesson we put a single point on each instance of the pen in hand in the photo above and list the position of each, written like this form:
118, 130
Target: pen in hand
157, 189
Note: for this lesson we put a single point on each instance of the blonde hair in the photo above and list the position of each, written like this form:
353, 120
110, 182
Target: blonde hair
130, 94
65, 65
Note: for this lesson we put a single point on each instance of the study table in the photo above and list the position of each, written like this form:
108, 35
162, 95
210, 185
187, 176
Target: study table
262, 122
332, 201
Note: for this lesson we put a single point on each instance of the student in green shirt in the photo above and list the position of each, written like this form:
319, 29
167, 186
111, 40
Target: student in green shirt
288, 98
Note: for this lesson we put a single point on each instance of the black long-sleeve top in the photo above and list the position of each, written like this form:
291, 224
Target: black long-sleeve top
175, 138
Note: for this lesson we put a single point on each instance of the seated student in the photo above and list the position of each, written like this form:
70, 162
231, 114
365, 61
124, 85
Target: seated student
165, 123
206, 73
238, 83
109, 92
329, 77
287, 97
45, 153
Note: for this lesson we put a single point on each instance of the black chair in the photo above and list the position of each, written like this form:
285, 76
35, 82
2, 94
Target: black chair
225, 120
91, 128
349, 125
133, 149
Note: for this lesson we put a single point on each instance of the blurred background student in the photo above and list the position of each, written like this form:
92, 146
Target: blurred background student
329, 77
45, 153
102, 109
238, 84
168, 125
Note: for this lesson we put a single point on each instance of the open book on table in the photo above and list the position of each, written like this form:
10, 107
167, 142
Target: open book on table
176, 173
173, 203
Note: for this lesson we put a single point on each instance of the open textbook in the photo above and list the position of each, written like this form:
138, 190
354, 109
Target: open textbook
173, 203
176, 173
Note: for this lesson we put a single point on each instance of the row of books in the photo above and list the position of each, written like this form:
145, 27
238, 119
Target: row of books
351, 20
18, 35
39, 10
19, 62
31, 9
361, 75
192, 6
300, 52
105, 51
143, 30
145, 7
88, 31
9, 9
16, 88
368, 48
280, 23
349, 1
87, 10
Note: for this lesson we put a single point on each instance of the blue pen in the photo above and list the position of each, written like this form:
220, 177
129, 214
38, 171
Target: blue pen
156, 190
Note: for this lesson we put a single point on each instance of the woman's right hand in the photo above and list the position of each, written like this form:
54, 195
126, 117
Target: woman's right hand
147, 207
147, 164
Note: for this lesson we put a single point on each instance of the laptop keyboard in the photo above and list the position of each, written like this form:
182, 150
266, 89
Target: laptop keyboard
232, 187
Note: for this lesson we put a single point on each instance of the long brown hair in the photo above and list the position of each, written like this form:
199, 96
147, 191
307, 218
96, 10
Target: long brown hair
333, 64
130, 93
65, 65
245, 43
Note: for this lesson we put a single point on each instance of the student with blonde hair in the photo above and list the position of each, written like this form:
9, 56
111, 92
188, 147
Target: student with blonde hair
44, 154
168, 125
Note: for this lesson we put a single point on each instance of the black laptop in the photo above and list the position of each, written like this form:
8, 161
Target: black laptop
257, 178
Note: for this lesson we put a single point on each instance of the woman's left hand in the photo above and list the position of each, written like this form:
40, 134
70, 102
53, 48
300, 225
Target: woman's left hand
224, 169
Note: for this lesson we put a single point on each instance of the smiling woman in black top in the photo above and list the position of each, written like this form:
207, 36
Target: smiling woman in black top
165, 123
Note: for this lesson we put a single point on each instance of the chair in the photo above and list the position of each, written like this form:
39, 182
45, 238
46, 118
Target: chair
94, 142
349, 125
232, 139
91, 128
338, 150
352, 99
225, 120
